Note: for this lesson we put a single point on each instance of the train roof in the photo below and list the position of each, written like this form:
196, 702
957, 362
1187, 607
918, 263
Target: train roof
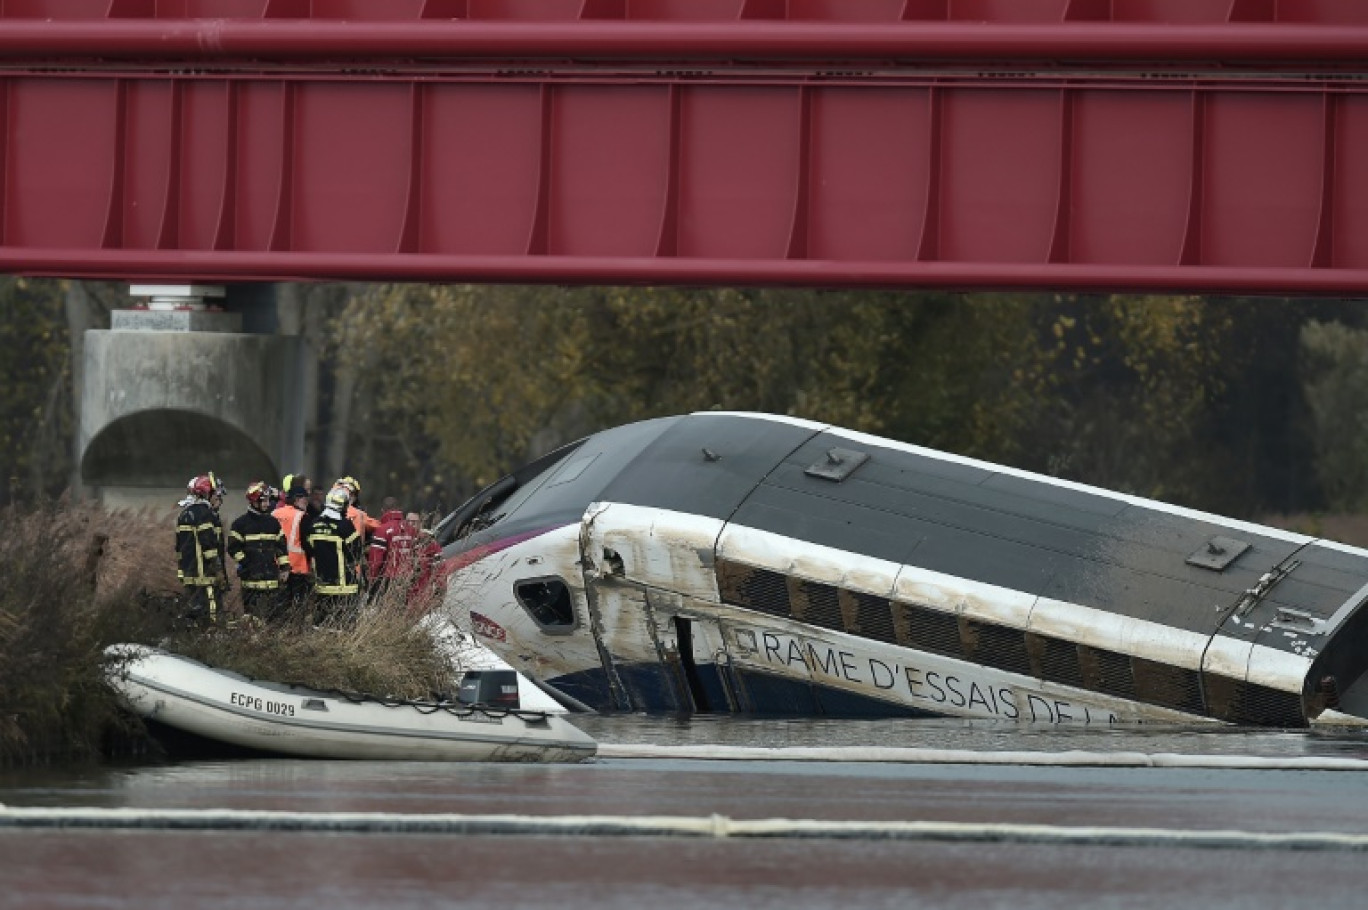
979, 521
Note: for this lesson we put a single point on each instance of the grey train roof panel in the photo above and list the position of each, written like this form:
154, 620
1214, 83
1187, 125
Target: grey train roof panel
1031, 535
961, 518
705, 464
1228, 581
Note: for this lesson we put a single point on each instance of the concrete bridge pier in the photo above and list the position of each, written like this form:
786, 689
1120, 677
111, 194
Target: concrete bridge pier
193, 380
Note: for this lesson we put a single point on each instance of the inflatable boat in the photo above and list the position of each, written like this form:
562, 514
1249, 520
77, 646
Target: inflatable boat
281, 719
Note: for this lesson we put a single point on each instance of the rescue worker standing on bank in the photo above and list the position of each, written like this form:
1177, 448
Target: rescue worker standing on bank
199, 549
257, 544
290, 514
335, 552
292, 481
429, 585
387, 554
364, 524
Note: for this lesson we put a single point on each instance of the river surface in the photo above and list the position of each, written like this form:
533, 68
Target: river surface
1013, 836
970, 734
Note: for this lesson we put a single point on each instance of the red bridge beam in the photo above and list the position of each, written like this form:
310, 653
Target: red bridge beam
990, 11
1308, 46
612, 271
1195, 184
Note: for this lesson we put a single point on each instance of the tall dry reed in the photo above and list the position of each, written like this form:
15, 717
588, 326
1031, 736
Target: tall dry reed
71, 581
376, 646
75, 578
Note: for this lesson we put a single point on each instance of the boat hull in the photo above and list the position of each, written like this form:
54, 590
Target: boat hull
296, 721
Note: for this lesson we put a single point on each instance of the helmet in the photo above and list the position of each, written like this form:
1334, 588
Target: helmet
351, 483
338, 498
261, 495
204, 486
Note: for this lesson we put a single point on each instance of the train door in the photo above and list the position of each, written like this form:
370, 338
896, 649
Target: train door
704, 672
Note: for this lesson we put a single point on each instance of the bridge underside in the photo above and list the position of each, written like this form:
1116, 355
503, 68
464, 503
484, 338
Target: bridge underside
838, 144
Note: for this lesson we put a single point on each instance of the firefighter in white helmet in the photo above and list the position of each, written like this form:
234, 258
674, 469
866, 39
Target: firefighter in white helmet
335, 552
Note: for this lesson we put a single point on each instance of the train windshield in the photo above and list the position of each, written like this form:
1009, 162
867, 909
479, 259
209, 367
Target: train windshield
552, 491
489, 505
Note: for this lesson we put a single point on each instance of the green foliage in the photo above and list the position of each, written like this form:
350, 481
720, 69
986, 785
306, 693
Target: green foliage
36, 414
479, 379
1335, 383
1128, 384
1065, 385
1189, 399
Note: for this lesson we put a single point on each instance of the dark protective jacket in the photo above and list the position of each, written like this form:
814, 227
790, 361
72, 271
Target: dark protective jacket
199, 545
257, 544
333, 546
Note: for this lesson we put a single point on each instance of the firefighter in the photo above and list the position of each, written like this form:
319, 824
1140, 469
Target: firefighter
364, 524
334, 548
257, 544
388, 555
429, 583
290, 513
292, 481
199, 548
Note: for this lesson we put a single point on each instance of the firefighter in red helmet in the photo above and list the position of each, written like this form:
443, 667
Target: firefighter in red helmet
257, 544
199, 549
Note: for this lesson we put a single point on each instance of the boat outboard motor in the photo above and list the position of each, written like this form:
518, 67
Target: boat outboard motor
497, 688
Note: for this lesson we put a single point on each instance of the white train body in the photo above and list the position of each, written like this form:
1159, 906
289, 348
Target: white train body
745, 563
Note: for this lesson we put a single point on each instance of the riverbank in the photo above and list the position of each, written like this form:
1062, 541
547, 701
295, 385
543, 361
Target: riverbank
77, 578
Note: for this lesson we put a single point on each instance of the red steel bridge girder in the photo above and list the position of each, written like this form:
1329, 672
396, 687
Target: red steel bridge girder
890, 184
353, 154
1166, 12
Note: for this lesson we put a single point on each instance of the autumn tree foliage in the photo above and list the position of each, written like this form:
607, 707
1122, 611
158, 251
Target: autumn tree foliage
36, 401
1147, 394
1335, 370
1242, 406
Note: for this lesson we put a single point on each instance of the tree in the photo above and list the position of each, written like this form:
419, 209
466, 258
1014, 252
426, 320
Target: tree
475, 380
1335, 383
36, 400
1132, 381
1146, 394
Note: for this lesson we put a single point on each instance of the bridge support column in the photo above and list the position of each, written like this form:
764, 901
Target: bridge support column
177, 388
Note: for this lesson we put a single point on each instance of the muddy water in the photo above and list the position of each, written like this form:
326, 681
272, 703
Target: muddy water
157, 866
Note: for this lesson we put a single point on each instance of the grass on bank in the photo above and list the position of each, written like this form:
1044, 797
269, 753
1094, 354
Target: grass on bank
75, 578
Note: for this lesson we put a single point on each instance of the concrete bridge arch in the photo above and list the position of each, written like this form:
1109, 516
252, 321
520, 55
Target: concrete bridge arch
167, 395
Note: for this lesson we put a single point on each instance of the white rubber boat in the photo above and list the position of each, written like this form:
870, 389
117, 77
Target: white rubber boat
291, 720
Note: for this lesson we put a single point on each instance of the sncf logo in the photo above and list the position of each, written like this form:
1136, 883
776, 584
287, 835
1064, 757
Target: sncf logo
487, 628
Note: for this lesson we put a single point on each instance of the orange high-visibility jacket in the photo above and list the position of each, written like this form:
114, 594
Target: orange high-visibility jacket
289, 516
363, 523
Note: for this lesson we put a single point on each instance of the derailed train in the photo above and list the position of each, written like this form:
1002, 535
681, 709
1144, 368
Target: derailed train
750, 563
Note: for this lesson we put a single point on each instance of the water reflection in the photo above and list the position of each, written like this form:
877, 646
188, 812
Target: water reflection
169, 868
358, 786
974, 735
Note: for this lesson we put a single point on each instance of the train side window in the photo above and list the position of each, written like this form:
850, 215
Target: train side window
547, 601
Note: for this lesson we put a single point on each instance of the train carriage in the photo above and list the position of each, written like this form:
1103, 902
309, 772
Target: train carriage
750, 563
